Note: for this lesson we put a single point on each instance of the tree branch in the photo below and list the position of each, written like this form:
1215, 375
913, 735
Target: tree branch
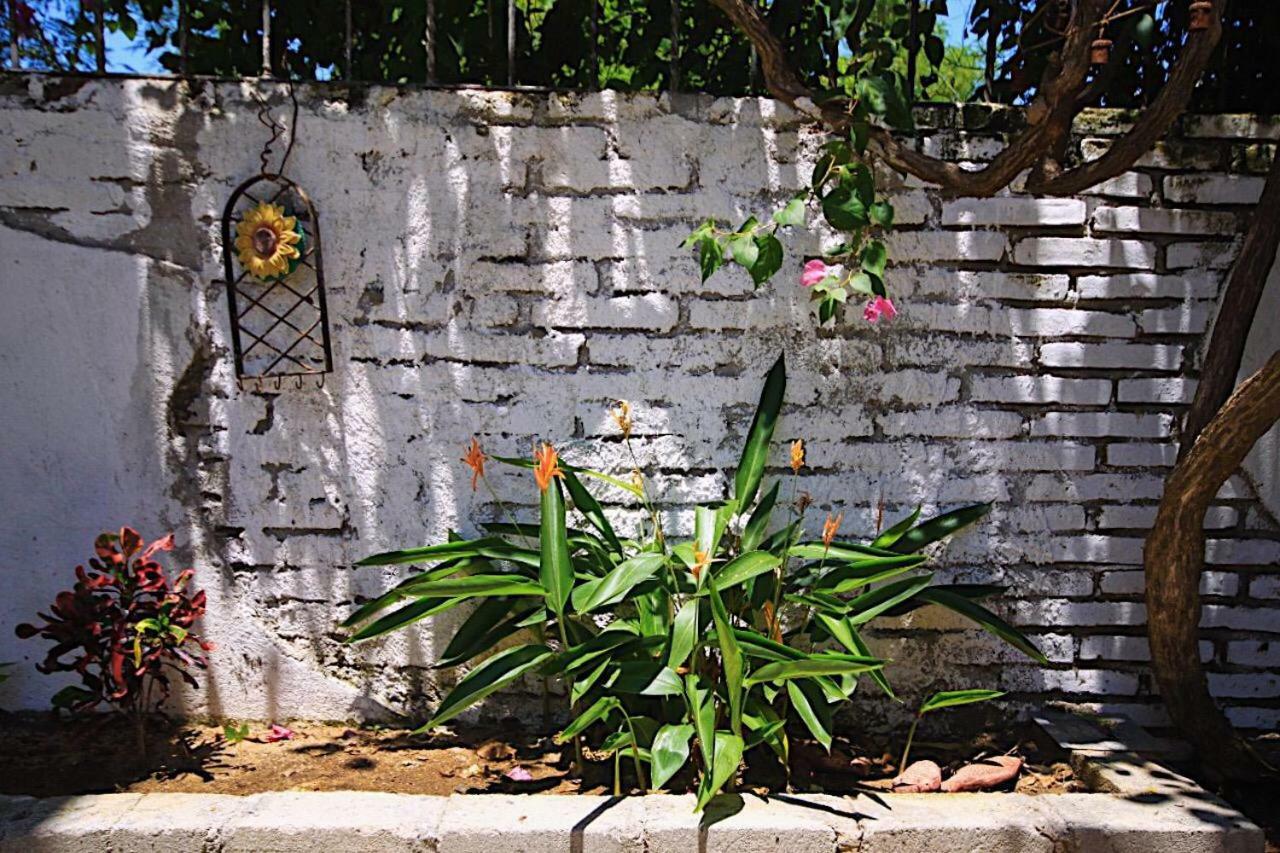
1236, 311
1173, 560
1154, 122
1049, 116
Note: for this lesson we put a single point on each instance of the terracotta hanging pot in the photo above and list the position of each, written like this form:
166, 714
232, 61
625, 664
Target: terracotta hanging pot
1100, 51
1201, 15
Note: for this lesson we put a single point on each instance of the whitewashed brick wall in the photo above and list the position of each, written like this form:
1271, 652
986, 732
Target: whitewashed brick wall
506, 266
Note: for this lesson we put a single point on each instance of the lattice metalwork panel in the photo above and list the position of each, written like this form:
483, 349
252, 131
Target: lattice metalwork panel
274, 263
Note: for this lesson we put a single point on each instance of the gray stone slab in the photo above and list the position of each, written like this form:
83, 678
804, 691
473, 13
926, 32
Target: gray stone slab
925, 823
530, 823
749, 824
1142, 823
160, 823
66, 824
347, 821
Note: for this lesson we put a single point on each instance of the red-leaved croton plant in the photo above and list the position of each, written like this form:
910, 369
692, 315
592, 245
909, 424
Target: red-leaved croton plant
124, 628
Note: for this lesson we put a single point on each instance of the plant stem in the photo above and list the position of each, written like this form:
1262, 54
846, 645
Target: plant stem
577, 739
635, 752
907, 749
506, 510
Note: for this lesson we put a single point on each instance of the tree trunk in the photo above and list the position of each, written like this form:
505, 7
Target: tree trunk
1235, 313
1174, 559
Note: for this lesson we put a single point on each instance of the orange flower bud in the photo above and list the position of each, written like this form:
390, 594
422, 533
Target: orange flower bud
546, 466
475, 460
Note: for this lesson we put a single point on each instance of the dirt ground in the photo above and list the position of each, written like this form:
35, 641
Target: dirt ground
42, 756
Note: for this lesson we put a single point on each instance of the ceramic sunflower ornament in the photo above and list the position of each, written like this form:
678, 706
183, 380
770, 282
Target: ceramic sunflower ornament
268, 242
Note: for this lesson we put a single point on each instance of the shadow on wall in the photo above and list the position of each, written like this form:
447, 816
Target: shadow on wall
508, 266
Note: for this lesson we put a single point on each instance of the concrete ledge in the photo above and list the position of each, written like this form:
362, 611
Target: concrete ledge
304, 822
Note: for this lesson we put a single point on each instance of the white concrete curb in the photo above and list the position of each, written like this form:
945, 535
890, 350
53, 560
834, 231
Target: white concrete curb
294, 822
1143, 807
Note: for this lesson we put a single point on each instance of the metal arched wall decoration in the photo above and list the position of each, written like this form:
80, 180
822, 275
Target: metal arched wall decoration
274, 264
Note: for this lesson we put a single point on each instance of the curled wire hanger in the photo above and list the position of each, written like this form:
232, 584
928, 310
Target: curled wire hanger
277, 129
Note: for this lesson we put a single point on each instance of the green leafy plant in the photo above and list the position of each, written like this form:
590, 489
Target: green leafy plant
234, 734
938, 701
676, 653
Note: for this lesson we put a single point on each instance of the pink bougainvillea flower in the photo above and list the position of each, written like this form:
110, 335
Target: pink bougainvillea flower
278, 732
519, 774
878, 308
814, 272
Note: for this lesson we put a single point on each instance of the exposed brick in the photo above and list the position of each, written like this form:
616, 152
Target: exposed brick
1126, 649
1189, 319
1084, 252
1127, 185
1157, 390
1244, 685
1041, 389
1254, 653
1141, 455
1110, 356
953, 422
1148, 286
1265, 586
1153, 220
654, 311
1210, 256
1019, 211
1208, 188
1100, 424
1092, 487
1059, 322
935, 246
1228, 126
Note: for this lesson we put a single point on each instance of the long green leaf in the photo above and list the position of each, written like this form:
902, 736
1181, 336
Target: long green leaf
590, 507
971, 591
843, 552
952, 698
599, 710
647, 678
406, 615
744, 567
731, 658
808, 700
759, 646
702, 706
986, 619
495, 673
709, 524
842, 579
476, 586
577, 657
754, 531
755, 453
846, 635
582, 686
490, 546
724, 764
401, 590
670, 752
894, 533
871, 604
485, 628
556, 569
614, 586
684, 634
823, 663
939, 527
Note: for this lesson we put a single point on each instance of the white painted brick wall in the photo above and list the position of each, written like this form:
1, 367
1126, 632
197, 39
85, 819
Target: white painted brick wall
508, 265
